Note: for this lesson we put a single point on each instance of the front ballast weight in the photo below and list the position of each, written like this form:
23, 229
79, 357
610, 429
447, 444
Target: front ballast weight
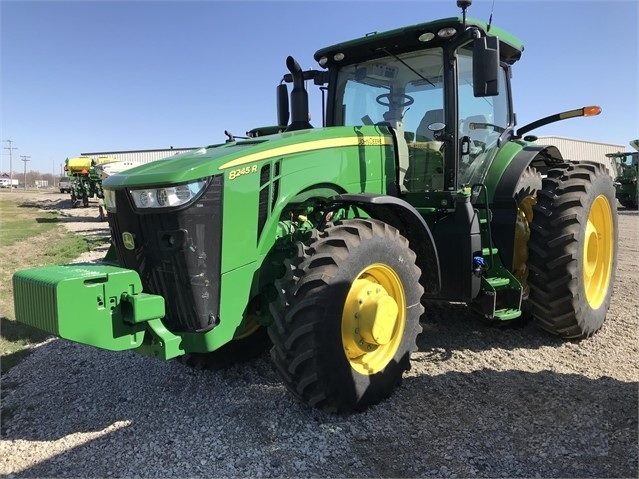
98, 305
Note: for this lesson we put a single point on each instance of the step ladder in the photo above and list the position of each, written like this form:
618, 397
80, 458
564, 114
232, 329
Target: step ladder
500, 294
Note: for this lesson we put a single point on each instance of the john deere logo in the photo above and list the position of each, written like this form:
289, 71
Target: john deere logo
128, 240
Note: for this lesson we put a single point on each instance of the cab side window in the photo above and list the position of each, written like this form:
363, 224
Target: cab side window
481, 119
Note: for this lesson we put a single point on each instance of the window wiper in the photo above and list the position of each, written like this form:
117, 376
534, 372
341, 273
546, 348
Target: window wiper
407, 66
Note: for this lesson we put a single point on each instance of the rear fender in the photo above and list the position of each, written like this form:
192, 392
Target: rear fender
403, 216
504, 205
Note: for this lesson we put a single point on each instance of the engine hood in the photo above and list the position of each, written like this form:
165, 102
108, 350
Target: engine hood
213, 160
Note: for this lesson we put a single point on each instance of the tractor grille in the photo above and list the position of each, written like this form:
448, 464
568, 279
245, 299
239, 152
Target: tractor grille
268, 195
177, 255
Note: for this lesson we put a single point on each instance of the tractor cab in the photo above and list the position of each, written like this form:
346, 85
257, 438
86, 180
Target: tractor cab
445, 135
441, 89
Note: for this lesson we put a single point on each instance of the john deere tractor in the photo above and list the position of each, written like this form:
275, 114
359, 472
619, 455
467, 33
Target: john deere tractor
85, 183
626, 180
328, 243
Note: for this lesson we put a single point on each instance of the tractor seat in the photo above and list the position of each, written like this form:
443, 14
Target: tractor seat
426, 162
431, 116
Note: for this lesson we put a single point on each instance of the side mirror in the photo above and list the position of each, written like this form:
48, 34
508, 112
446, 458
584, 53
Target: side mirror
485, 66
283, 112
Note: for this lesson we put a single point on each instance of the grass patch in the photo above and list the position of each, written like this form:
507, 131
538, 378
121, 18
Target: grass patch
30, 238
19, 223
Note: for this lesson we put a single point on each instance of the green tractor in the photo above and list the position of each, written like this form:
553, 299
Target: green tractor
626, 180
327, 244
85, 183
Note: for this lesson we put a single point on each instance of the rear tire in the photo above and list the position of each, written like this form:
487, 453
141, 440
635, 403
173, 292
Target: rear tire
526, 197
348, 316
573, 250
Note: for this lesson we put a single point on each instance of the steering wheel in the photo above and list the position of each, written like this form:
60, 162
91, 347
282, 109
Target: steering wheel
387, 96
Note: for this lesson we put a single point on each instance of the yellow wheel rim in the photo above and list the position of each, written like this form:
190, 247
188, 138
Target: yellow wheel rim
598, 251
373, 319
250, 327
522, 235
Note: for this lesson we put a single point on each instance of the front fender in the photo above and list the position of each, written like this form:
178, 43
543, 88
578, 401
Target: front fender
403, 216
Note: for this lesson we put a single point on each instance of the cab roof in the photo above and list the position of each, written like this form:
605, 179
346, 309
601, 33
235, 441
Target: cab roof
407, 39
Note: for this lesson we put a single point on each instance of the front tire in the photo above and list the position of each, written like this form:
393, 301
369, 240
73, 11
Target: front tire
573, 250
348, 316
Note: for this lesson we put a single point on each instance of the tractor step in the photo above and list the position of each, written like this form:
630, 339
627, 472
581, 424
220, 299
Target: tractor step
499, 298
507, 314
498, 282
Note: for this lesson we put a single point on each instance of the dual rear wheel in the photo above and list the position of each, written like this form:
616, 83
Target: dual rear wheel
573, 250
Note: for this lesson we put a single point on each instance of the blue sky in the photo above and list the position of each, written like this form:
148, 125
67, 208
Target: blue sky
81, 76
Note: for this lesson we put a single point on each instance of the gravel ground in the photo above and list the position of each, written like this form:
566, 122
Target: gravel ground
478, 402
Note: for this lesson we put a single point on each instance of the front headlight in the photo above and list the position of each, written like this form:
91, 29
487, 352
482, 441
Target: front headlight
167, 196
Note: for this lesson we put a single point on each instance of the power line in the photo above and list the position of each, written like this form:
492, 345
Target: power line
10, 148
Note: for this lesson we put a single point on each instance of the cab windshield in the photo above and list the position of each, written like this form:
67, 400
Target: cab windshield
406, 93
394, 92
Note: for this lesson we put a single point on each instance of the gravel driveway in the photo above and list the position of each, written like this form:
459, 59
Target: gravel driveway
478, 402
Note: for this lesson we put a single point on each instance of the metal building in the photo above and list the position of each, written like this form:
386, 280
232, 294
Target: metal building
584, 150
138, 156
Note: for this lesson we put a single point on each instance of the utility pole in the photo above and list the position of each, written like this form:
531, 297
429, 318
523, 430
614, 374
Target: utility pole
25, 158
10, 148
